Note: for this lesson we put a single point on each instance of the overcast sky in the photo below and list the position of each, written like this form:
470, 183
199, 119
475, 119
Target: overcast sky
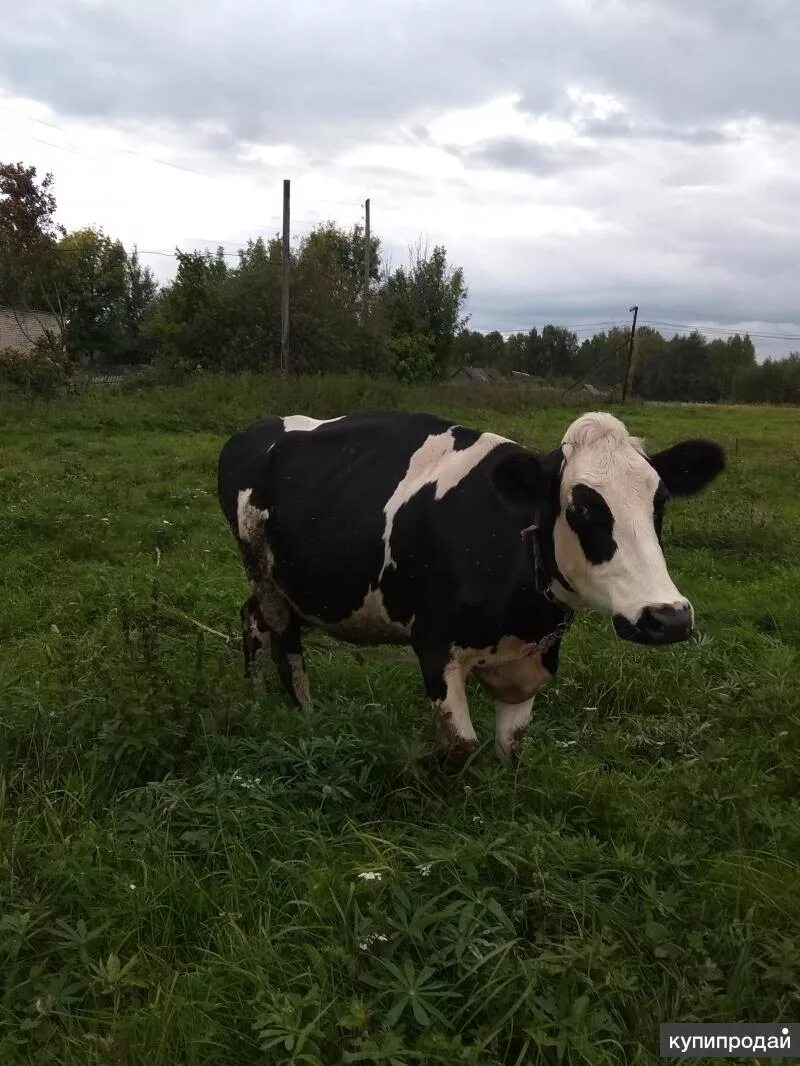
575, 156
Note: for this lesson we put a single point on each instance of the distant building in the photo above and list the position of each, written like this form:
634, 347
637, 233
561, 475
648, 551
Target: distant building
589, 392
22, 329
475, 374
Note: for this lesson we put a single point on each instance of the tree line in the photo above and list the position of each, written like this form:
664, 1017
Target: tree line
224, 314
684, 367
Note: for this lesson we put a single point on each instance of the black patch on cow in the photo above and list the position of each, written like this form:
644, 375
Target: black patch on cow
463, 437
590, 517
519, 480
689, 466
550, 659
659, 503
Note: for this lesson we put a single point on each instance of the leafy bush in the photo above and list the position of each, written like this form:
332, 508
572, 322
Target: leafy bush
414, 359
34, 373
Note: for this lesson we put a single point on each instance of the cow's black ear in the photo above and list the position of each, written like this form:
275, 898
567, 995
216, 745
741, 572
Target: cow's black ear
687, 467
520, 479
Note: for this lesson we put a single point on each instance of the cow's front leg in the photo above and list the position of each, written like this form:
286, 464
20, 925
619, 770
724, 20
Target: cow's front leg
445, 684
513, 686
511, 725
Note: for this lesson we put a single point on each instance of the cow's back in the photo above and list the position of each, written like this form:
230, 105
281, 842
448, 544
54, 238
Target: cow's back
323, 488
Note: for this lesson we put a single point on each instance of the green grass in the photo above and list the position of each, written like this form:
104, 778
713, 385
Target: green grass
180, 862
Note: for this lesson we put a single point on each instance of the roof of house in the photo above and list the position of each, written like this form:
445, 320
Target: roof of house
22, 329
472, 373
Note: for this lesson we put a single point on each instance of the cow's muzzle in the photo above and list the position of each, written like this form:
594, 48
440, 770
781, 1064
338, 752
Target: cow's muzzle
660, 623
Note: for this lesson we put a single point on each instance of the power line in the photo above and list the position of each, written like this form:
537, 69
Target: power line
180, 251
724, 332
106, 152
50, 144
598, 364
582, 326
565, 325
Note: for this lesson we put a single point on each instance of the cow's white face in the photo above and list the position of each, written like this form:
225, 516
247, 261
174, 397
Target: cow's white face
606, 533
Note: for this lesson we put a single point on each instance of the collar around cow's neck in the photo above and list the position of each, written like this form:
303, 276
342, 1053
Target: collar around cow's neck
544, 576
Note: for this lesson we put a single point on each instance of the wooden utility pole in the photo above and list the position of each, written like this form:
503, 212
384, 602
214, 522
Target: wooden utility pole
629, 372
285, 279
367, 250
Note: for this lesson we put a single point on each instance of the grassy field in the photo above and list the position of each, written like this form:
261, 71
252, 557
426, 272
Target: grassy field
190, 874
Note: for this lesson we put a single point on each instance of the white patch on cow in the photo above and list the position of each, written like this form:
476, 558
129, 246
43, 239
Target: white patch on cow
435, 462
249, 519
304, 423
595, 429
599, 452
453, 710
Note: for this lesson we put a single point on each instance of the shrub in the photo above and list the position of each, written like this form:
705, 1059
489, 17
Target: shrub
39, 372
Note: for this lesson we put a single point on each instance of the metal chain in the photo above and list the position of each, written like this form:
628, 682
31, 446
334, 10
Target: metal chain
547, 642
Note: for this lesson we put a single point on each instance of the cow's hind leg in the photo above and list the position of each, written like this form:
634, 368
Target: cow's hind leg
268, 609
255, 638
287, 654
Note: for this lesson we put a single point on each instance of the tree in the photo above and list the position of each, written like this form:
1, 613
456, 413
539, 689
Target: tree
90, 279
327, 322
726, 359
140, 291
191, 319
472, 348
28, 234
652, 366
773, 381
427, 298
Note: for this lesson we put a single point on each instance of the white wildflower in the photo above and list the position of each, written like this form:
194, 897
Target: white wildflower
132, 886
370, 875
245, 782
425, 868
367, 941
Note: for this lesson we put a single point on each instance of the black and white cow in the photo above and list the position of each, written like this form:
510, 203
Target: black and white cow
389, 527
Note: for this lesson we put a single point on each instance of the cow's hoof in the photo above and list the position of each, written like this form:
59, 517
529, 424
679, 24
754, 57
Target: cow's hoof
457, 753
511, 753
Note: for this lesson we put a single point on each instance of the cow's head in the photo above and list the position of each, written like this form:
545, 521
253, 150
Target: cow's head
600, 505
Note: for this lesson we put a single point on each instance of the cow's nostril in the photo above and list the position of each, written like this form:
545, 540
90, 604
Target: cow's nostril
666, 623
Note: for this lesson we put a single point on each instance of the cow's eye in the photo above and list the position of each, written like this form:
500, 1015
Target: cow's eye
579, 512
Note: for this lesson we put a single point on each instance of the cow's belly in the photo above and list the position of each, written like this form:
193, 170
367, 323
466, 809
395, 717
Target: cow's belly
370, 623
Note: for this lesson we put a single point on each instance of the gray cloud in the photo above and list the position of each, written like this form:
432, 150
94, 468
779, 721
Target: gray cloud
626, 130
519, 153
686, 218
317, 73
